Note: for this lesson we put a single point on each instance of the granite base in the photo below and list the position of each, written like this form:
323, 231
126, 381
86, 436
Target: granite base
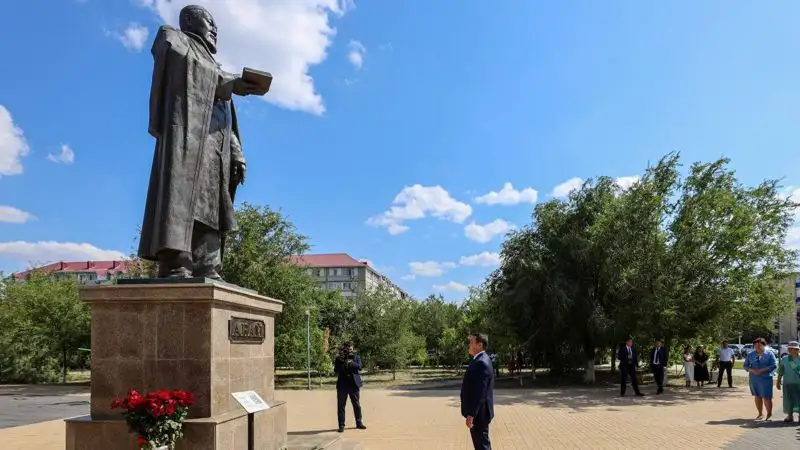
224, 432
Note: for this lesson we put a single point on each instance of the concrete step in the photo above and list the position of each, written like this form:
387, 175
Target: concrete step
351, 445
315, 442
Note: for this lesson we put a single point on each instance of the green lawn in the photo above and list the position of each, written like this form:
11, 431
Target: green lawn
298, 379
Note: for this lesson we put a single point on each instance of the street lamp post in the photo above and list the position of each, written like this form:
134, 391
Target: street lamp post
308, 345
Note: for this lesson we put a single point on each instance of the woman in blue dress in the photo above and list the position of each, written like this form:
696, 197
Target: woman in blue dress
760, 364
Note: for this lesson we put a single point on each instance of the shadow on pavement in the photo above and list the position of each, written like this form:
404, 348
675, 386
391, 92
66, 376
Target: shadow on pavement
581, 397
311, 432
44, 390
752, 423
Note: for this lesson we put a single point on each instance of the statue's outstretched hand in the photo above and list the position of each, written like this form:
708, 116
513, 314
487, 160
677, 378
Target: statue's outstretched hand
242, 87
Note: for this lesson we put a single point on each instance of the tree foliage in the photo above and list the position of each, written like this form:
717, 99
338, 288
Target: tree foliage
671, 256
42, 324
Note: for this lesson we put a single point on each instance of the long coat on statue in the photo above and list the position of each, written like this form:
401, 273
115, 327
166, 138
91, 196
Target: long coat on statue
191, 175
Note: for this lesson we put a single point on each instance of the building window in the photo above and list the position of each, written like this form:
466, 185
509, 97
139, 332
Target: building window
347, 286
334, 286
354, 272
310, 272
320, 272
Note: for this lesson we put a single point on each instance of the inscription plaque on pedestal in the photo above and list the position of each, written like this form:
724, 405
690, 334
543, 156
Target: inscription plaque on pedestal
241, 330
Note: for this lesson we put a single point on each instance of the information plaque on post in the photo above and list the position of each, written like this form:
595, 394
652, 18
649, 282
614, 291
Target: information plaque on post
252, 403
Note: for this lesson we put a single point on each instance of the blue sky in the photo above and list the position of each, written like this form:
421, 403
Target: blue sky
371, 98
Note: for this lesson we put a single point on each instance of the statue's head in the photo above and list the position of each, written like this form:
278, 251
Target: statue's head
197, 20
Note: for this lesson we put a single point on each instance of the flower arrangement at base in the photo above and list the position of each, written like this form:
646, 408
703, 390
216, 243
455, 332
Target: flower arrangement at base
156, 417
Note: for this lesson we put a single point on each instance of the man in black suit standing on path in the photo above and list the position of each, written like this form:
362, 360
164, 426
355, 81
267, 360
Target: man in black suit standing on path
477, 393
628, 361
658, 363
347, 367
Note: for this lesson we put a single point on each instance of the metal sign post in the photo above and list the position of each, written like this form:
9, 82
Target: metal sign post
252, 403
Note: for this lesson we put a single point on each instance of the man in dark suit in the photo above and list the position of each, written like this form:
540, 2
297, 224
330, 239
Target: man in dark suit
658, 364
477, 393
347, 367
628, 361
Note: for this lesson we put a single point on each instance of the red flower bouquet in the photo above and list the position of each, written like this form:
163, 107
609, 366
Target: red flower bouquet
156, 417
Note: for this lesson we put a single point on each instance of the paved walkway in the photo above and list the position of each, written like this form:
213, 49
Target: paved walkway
576, 418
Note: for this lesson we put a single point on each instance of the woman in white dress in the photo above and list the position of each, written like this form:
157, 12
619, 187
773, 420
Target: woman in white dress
688, 365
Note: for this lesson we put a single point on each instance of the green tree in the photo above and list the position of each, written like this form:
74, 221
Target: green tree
257, 256
710, 251
383, 333
679, 258
431, 318
42, 322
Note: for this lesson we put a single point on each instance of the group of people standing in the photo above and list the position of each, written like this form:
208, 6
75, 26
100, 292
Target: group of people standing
695, 365
760, 364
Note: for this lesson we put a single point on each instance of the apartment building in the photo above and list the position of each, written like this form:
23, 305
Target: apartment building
341, 271
84, 272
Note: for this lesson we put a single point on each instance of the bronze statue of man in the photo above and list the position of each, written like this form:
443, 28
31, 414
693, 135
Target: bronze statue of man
198, 161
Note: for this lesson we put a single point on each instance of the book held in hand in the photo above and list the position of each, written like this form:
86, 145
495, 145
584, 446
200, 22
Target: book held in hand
259, 78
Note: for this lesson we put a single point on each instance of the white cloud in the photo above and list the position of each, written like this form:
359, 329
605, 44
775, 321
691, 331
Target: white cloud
356, 54
626, 182
485, 233
430, 268
13, 146
283, 37
133, 37
65, 156
508, 196
563, 189
408, 277
51, 251
793, 238
451, 286
417, 202
9, 214
483, 259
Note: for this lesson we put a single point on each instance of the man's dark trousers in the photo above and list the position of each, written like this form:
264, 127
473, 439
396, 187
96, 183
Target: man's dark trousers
658, 374
628, 360
480, 435
344, 391
723, 367
628, 371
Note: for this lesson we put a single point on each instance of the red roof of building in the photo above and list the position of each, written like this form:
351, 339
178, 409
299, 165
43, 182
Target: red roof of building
327, 260
101, 268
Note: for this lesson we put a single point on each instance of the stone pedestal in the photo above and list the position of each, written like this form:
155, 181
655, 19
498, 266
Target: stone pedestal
152, 335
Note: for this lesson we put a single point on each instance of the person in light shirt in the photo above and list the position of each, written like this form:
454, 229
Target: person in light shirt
726, 359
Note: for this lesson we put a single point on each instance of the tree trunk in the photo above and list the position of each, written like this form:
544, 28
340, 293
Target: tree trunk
589, 354
613, 362
64, 362
589, 374
394, 375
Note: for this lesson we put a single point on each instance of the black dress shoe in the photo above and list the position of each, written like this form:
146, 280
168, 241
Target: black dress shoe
639, 394
361, 426
340, 430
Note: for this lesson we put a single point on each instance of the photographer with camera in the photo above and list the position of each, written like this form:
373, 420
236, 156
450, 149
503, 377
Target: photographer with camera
347, 367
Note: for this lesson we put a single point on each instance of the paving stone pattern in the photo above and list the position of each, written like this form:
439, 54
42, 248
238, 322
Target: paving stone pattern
569, 418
